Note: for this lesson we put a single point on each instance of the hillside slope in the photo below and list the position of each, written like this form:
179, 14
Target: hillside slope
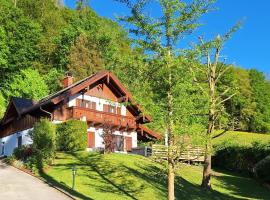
119, 176
242, 138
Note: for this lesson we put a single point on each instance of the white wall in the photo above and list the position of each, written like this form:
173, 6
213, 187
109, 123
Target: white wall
11, 141
99, 140
99, 102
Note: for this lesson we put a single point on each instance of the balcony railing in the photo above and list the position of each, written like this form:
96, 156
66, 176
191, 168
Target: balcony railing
99, 117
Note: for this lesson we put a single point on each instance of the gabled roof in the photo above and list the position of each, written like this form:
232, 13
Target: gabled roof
105, 76
18, 105
24, 106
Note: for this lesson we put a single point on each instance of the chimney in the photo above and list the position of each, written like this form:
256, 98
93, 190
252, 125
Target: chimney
67, 81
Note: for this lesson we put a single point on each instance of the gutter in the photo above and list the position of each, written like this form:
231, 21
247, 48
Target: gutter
40, 107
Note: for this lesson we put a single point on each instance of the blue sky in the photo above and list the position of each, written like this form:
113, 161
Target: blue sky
248, 47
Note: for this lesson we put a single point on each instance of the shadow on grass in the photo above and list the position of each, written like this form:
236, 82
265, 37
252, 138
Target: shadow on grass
64, 187
243, 186
183, 188
152, 174
110, 176
134, 179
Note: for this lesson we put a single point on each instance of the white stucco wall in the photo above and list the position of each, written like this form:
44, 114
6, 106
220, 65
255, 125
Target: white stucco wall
99, 140
99, 102
11, 141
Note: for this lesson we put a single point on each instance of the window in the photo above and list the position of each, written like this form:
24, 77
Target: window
19, 140
112, 109
3, 148
86, 104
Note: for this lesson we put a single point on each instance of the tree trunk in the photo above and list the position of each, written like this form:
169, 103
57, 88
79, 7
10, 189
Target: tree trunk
206, 181
170, 181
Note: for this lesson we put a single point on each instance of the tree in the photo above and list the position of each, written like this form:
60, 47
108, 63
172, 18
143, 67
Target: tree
81, 4
2, 105
19, 43
27, 84
160, 36
72, 135
213, 70
44, 142
84, 58
260, 121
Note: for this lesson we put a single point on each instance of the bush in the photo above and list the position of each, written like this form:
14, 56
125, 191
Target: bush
239, 158
44, 142
23, 152
72, 135
262, 170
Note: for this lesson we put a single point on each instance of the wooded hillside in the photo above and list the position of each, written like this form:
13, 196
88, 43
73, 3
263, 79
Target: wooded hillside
41, 41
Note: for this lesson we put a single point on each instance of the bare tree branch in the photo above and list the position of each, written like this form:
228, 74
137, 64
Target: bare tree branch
228, 98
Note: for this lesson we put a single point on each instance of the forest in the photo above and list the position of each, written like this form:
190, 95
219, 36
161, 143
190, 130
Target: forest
40, 42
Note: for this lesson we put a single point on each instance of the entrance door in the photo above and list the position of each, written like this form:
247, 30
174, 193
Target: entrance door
91, 139
128, 143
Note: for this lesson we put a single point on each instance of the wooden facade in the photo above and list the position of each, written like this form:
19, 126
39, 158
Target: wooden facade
103, 85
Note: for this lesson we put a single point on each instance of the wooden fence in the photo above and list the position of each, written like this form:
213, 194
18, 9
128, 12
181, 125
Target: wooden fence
195, 153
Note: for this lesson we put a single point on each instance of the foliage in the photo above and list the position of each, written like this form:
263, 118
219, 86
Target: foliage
44, 142
27, 84
72, 135
20, 43
23, 152
159, 36
124, 177
84, 58
241, 158
2, 105
262, 169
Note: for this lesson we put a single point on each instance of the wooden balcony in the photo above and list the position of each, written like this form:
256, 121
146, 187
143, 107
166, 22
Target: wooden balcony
99, 118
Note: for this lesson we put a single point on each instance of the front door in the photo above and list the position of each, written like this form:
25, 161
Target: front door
128, 144
91, 139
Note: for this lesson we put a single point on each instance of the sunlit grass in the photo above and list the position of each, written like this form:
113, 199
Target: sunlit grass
118, 176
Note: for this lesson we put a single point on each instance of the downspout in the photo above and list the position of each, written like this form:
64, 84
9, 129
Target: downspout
51, 116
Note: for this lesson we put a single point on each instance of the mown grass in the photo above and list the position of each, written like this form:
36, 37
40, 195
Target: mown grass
121, 177
241, 138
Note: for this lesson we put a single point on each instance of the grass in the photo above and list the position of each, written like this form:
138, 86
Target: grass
242, 138
123, 177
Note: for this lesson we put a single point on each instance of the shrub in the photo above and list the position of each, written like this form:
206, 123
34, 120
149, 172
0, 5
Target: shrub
72, 135
44, 145
23, 152
262, 170
239, 158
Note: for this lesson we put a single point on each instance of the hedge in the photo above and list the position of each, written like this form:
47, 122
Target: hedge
72, 135
262, 170
239, 158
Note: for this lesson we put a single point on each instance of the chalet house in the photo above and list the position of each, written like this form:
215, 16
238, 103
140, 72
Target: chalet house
99, 100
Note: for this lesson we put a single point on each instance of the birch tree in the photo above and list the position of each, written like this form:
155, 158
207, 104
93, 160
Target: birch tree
159, 37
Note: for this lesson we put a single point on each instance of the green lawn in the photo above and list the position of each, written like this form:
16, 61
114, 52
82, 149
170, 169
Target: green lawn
242, 138
119, 176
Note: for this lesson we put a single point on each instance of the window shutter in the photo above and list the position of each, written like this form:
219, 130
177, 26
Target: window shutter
105, 108
119, 110
94, 105
78, 102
